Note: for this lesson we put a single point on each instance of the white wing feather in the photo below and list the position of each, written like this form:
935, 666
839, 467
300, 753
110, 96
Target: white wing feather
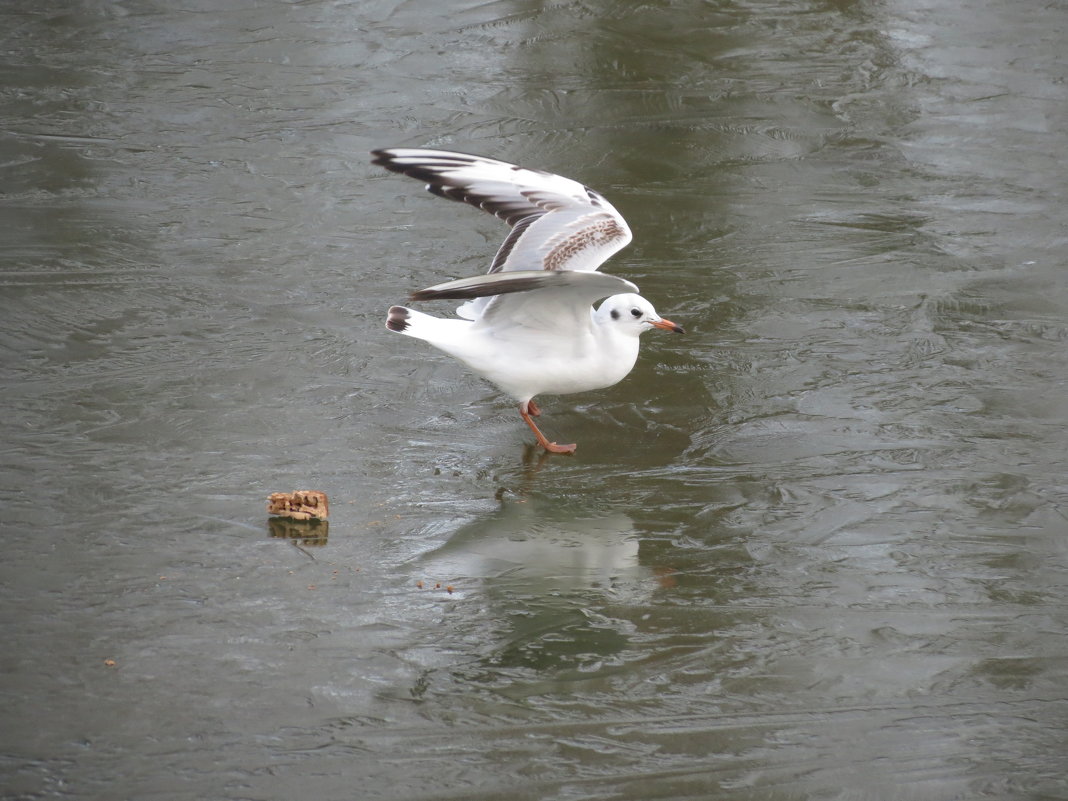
549, 300
557, 223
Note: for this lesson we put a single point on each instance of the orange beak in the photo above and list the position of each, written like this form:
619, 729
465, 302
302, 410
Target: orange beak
667, 325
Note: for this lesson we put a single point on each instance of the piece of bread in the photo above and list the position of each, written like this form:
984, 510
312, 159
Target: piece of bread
299, 505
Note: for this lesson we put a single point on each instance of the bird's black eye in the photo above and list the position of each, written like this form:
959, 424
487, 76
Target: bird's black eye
615, 314
635, 313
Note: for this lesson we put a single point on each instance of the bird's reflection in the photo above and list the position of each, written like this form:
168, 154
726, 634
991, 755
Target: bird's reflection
545, 571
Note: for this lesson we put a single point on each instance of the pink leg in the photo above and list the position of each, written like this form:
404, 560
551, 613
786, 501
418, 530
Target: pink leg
551, 447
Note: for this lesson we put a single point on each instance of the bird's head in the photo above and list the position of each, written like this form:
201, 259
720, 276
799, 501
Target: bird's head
633, 314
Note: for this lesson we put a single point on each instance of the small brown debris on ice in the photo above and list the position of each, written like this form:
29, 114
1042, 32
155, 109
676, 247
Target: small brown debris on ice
299, 505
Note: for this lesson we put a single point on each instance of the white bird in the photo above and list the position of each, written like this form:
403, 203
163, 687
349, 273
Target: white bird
528, 326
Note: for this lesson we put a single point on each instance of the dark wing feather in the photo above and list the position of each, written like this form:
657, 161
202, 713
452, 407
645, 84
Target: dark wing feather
557, 223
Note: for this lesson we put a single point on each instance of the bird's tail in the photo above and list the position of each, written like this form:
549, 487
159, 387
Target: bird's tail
423, 326
399, 319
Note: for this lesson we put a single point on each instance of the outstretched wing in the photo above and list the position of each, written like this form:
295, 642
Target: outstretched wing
557, 223
546, 300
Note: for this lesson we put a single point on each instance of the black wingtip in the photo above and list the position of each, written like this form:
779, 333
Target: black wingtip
503, 286
384, 157
397, 320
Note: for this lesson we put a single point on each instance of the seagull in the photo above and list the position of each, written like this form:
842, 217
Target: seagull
528, 326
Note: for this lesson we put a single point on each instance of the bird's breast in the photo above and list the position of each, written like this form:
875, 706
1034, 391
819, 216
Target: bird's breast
562, 367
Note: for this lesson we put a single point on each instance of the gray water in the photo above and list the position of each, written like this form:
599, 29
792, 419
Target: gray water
815, 549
